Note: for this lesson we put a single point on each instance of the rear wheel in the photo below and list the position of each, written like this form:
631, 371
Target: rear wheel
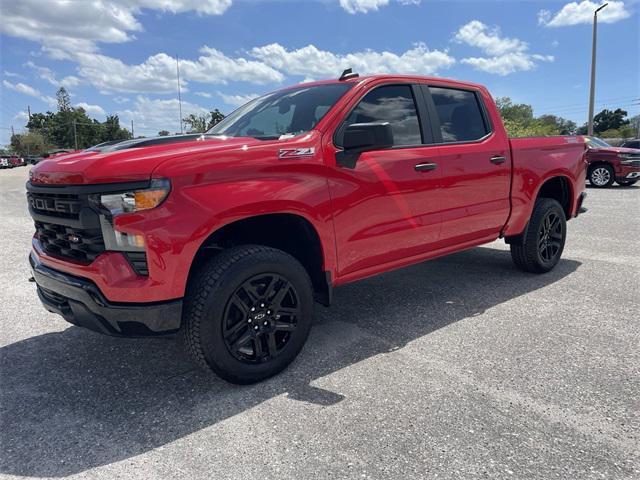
541, 246
626, 183
601, 176
248, 313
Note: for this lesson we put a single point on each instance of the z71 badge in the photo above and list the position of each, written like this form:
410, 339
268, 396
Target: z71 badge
296, 152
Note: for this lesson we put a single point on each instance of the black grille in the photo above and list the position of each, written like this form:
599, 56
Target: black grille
55, 204
82, 245
632, 162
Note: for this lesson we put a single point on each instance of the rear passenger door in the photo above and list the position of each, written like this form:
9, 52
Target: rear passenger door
475, 162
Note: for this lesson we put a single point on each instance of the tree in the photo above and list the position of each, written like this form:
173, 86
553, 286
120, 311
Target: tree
195, 123
561, 125
64, 101
111, 130
216, 117
202, 122
31, 143
164, 133
609, 120
519, 113
68, 125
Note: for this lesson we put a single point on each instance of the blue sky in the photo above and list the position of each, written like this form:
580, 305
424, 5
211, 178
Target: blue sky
115, 56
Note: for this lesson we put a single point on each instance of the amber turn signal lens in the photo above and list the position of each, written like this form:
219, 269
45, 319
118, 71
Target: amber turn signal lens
146, 199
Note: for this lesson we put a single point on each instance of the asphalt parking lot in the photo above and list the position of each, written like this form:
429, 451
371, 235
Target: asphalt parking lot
462, 367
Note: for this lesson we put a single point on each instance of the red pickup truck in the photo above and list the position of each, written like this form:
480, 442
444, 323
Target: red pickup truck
230, 236
607, 164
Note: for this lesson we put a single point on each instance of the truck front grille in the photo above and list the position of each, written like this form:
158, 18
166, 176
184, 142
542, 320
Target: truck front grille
68, 223
82, 245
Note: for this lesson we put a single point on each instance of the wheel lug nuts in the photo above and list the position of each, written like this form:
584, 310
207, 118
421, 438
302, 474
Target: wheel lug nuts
256, 327
249, 321
266, 323
268, 312
253, 309
262, 305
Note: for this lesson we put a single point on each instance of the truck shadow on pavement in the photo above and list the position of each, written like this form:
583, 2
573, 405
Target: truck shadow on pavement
74, 400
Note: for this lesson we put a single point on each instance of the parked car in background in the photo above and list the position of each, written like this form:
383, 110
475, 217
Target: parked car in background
16, 161
32, 159
631, 143
609, 164
4, 162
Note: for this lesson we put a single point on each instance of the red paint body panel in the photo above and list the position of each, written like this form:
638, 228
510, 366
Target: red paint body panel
380, 215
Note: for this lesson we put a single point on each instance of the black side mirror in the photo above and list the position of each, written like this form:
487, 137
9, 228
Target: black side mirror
363, 137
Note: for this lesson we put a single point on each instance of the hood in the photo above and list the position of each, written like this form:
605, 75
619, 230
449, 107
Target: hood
136, 160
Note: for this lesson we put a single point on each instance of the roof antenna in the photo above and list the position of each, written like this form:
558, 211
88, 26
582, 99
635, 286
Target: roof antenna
348, 74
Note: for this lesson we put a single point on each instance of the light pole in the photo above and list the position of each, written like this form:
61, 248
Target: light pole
592, 90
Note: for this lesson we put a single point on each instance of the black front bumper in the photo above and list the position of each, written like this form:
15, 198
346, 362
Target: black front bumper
81, 303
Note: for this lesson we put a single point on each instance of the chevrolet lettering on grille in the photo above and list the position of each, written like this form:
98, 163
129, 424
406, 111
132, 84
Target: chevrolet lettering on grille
54, 205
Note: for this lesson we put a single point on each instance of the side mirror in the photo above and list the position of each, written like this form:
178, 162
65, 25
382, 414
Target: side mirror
363, 137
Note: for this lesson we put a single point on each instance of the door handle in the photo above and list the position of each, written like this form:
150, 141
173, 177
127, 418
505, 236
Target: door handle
497, 159
425, 167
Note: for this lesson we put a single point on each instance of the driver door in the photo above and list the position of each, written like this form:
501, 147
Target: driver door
387, 207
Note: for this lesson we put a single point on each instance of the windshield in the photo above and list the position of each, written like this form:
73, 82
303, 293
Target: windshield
595, 142
283, 113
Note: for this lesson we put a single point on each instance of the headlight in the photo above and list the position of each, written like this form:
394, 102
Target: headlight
137, 200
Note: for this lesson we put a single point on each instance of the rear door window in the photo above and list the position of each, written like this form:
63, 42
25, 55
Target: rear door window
460, 114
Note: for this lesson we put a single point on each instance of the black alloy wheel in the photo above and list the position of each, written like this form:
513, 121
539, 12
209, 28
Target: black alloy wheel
260, 318
550, 235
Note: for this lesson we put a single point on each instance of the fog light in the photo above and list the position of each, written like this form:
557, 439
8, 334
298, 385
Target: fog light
127, 240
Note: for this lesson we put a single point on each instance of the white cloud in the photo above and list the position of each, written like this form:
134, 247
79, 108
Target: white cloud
505, 64
46, 74
152, 115
237, 100
92, 110
12, 74
312, 62
487, 39
575, 13
364, 6
157, 73
203, 94
29, 91
64, 26
504, 55
121, 100
21, 116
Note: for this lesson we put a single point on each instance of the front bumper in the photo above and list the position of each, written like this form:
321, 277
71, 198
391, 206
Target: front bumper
82, 303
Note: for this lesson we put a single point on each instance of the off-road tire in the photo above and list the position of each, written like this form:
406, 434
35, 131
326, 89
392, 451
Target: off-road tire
208, 295
526, 253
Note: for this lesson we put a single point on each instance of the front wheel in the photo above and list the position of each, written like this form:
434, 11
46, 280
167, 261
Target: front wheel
541, 247
248, 313
601, 176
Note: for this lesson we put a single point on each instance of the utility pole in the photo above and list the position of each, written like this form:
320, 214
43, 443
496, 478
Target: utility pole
179, 96
29, 110
132, 134
75, 134
12, 132
592, 90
